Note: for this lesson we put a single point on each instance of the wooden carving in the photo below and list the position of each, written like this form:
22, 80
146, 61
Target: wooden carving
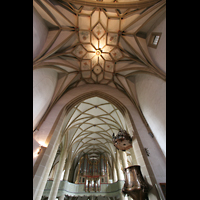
135, 186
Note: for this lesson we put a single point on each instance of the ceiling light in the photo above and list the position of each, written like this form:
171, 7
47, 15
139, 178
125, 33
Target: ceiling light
98, 52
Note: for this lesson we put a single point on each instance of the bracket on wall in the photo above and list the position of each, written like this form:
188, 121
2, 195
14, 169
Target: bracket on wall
147, 151
151, 134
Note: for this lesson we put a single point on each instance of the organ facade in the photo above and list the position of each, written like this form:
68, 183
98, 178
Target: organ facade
93, 171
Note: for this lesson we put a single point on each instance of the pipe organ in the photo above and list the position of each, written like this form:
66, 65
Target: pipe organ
92, 172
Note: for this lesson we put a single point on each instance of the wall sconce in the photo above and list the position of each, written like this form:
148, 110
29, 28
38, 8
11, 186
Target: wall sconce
39, 150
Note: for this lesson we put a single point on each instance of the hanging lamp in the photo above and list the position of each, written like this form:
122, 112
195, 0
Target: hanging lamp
122, 140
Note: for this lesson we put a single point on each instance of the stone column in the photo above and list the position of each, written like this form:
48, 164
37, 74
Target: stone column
61, 197
119, 172
49, 163
123, 156
122, 196
118, 167
66, 174
114, 174
67, 167
56, 181
134, 161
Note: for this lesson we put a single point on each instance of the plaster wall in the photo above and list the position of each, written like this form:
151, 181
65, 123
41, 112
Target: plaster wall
151, 93
158, 55
40, 31
44, 83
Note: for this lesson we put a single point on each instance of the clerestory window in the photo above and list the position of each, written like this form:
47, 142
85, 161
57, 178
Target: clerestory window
154, 39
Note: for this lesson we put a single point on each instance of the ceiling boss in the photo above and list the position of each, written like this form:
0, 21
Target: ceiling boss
98, 52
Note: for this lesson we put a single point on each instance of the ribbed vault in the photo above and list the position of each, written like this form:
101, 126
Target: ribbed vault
98, 42
91, 126
95, 46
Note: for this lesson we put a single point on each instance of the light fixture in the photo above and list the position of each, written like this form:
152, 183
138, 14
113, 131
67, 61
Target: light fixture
122, 140
42, 143
37, 152
39, 149
98, 52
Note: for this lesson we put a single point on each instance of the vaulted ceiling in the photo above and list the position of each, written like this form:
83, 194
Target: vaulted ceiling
100, 42
91, 127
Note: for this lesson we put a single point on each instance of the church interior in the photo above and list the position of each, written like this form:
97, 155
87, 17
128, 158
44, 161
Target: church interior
99, 99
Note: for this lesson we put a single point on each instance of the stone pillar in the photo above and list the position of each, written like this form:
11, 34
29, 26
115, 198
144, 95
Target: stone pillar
119, 172
123, 156
67, 167
114, 174
134, 161
122, 196
61, 197
52, 174
118, 167
66, 174
56, 181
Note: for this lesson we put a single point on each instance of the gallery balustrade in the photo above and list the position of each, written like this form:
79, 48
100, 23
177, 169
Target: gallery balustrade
72, 189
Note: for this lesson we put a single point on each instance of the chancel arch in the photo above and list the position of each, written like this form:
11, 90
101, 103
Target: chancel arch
78, 138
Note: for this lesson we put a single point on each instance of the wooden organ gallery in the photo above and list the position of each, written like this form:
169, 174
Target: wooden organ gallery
92, 172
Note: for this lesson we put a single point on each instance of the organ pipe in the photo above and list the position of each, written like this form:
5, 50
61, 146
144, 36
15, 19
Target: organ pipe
92, 172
